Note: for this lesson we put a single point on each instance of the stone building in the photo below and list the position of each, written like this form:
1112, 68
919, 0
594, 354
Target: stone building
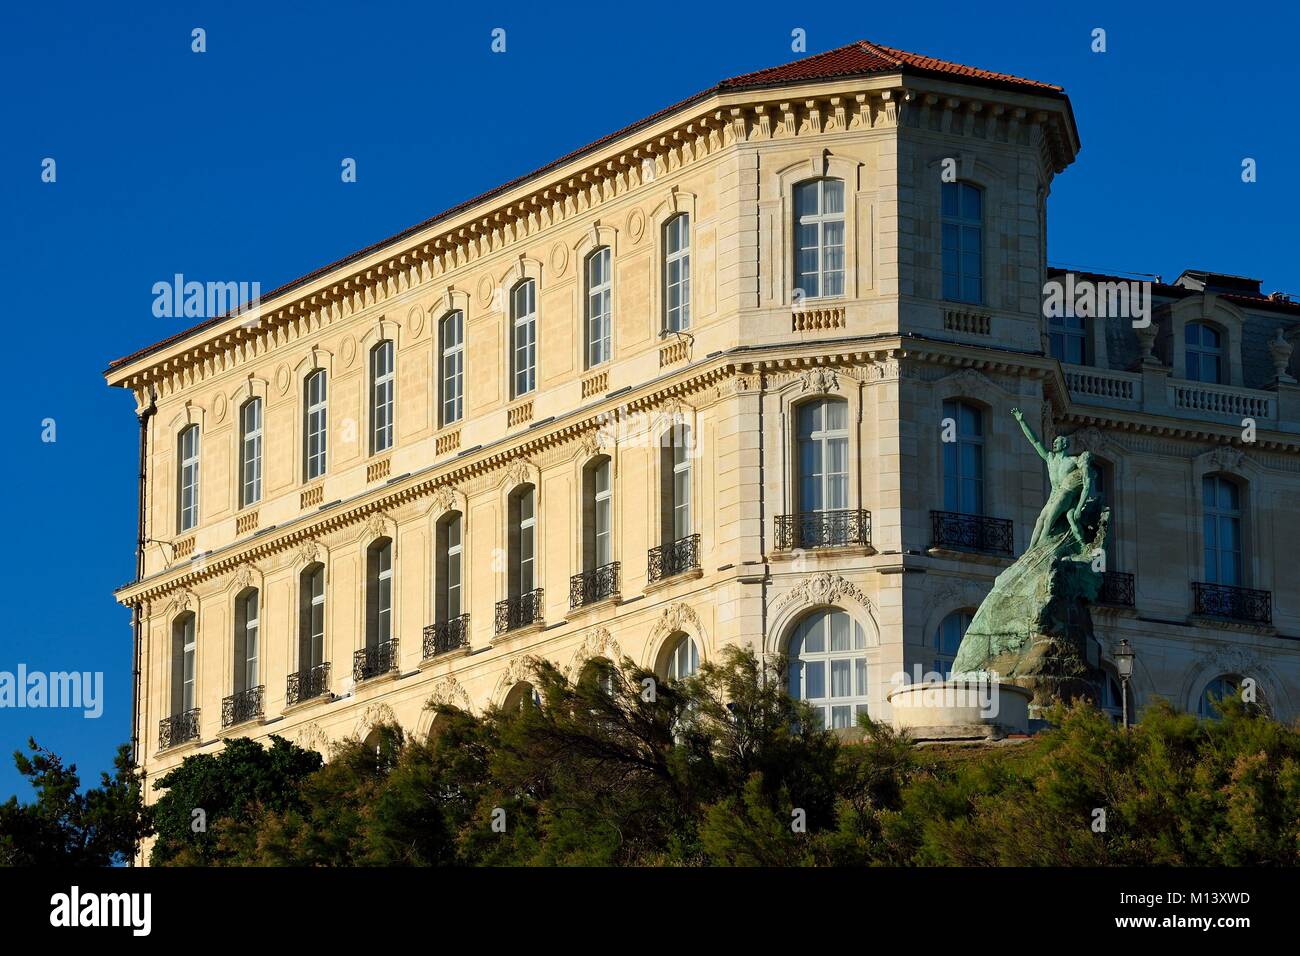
740, 373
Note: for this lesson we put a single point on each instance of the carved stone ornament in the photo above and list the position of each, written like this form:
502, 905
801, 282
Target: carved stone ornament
818, 380
519, 472
598, 643
444, 499
447, 690
1227, 458
823, 588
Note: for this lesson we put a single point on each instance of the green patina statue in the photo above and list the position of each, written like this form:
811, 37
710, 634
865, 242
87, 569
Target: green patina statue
1034, 627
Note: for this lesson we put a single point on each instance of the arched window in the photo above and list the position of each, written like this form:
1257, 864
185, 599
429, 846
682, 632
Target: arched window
183, 661
601, 672
381, 397
819, 238
187, 484
1204, 353
311, 617
677, 273
379, 593
675, 484
1222, 523
250, 452
963, 459
247, 645
522, 695
828, 666
314, 425
523, 316
683, 657
523, 540
450, 544
962, 223
823, 456
1067, 336
451, 338
600, 286
947, 638
1223, 686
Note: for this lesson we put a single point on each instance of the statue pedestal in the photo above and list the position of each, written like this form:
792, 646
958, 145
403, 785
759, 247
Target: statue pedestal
961, 710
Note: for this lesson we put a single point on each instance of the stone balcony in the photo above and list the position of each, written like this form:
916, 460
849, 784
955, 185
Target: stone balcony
1154, 391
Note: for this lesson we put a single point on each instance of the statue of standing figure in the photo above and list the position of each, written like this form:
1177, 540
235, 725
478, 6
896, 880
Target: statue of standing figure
1071, 479
1033, 629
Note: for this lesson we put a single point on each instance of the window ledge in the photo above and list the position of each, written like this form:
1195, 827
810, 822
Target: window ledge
978, 557
830, 550
1246, 627
241, 728
445, 656
693, 574
614, 600
316, 701
507, 638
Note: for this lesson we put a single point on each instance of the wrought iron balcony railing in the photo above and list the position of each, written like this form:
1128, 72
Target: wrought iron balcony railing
375, 661
521, 611
1232, 603
242, 707
446, 636
963, 532
1117, 589
178, 728
823, 529
588, 587
671, 559
307, 684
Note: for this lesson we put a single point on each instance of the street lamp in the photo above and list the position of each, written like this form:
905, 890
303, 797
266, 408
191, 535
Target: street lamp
1124, 665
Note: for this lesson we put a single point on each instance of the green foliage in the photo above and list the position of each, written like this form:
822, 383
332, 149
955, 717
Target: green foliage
68, 828
618, 768
210, 794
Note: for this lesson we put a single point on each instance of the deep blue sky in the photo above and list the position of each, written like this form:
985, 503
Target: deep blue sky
225, 165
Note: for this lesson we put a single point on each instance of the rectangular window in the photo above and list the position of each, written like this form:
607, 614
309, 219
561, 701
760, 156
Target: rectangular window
384, 594
453, 366
603, 516
188, 483
823, 456
962, 226
527, 543
677, 273
963, 459
523, 308
381, 397
599, 305
251, 453
454, 550
819, 239
314, 652
1068, 339
681, 483
251, 629
316, 421
187, 664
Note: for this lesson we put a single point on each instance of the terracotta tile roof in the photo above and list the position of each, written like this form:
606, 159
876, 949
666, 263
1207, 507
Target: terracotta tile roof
861, 58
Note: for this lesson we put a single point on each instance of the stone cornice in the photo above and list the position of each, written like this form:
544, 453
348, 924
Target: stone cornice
592, 180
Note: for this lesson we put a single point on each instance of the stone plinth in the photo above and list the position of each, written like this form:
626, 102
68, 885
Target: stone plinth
961, 710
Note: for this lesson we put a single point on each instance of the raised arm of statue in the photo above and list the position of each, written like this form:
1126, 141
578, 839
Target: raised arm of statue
1019, 416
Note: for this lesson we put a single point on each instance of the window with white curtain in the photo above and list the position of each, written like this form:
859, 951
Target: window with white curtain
381, 397
452, 337
823, 456
379, 623
677, 273
311, 645
600, 291
250, 452
827, 661
523, 315
184, 645
247, 630
819, 238
316, 419
683, 658
450, 550
188, 478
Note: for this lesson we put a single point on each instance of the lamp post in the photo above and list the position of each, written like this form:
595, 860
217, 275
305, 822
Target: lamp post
1124, 665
